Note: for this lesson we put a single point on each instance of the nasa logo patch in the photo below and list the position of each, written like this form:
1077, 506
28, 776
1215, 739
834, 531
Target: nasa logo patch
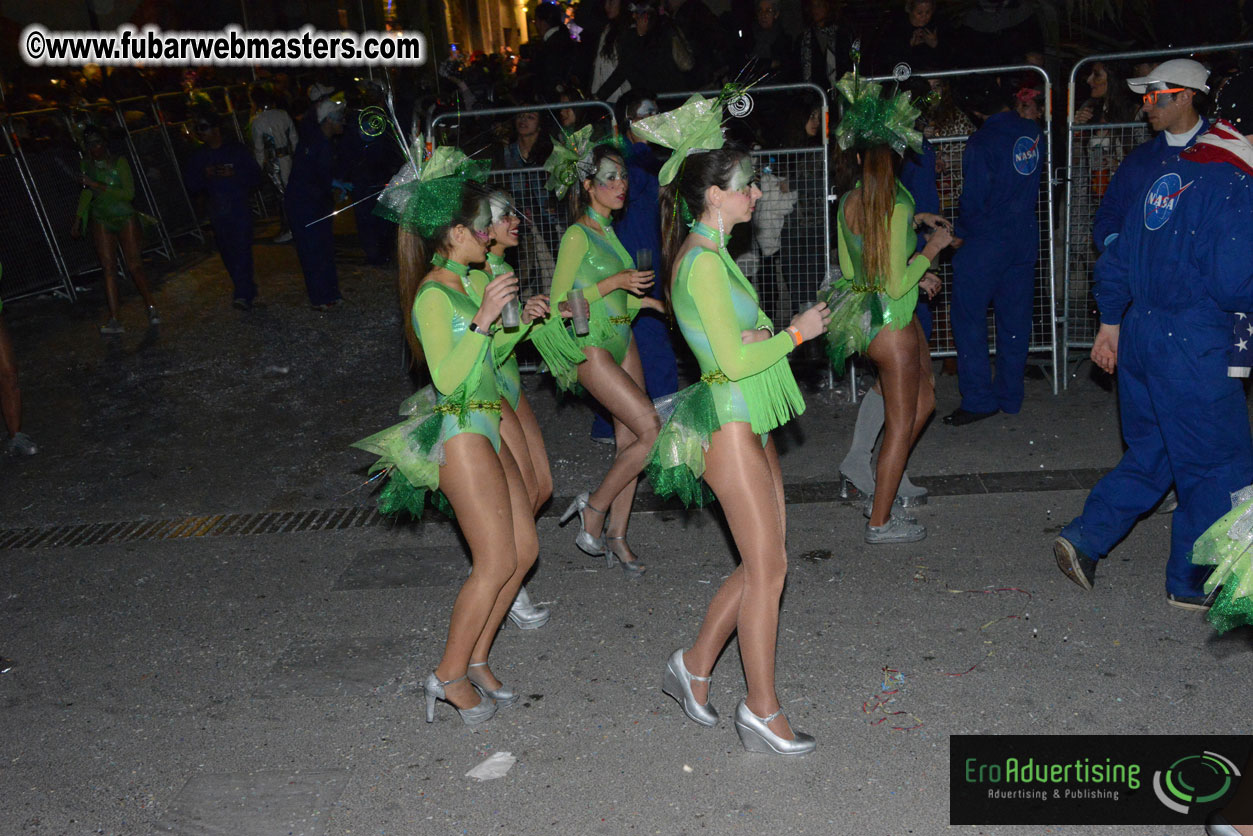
1026, 155
1159, 203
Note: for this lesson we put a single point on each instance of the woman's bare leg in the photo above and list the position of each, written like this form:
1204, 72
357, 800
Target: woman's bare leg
896, 353
624, 398
106, 251
620, 509
535, 451
513, 435
526, 549
473, 478
132, 238
750, 489
10, 392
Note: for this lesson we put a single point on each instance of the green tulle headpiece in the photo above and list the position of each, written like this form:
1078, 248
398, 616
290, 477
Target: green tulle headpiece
871, 119
426, 193
570, 161
696, 125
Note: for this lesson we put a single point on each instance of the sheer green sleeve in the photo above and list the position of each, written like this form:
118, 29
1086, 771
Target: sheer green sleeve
452, 360
570, 256
904, 274
710, 288
504, 342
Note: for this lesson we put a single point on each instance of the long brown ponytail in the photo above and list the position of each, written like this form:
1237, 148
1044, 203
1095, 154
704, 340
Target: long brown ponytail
878, 197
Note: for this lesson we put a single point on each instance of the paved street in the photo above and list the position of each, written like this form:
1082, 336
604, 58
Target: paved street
212, 633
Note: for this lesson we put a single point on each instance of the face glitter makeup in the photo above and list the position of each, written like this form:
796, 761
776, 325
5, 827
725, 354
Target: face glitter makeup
743, 177
609, 171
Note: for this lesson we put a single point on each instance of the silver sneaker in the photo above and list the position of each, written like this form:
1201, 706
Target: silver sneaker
21, 445
896, 530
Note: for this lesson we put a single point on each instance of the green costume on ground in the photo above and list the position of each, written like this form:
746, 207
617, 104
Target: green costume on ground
112, 207
586, 257
1228, 546
860, 305
713, 303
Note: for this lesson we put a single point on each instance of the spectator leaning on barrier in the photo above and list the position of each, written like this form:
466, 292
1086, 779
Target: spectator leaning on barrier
226, 174
1167, 287
1000, 234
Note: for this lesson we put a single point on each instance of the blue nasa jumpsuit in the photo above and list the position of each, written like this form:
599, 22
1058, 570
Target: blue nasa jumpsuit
1129, 182
640, 228
308, 198
229, 211
1179, 268
996, 264
919, 179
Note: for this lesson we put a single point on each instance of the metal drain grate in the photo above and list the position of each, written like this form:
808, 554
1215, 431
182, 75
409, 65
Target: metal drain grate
219, 525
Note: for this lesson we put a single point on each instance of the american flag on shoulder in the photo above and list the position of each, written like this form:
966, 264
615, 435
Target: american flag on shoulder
1240, 355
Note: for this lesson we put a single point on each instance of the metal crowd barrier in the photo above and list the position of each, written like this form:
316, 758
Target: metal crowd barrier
951, 149
32, 264
1093, 154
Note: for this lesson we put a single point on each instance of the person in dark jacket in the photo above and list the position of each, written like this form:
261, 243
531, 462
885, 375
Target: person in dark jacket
226, 173
999, 229
309, 201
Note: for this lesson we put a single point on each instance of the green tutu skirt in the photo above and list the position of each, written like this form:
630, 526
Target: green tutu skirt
676, 464
1227, 545
410, 454
856, 318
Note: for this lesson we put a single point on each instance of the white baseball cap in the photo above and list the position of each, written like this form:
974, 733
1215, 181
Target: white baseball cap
1177, 72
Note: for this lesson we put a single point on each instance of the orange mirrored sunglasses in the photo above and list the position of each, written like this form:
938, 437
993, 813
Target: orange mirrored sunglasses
1150, 97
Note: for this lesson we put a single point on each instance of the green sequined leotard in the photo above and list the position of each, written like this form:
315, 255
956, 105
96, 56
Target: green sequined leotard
862, 306
586, 257
713, 303
508, 378
463, 398
112, 207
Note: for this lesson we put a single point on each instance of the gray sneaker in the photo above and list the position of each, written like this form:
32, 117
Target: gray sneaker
112, 327
21, 445
895, 530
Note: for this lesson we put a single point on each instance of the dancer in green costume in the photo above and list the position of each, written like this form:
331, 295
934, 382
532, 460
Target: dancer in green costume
873, 302
451, 442
719, 427
105, 211
606, 361
1227, 545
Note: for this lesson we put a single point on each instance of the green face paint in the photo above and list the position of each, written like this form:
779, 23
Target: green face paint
609, 171
482, 218
501, 207
743, 176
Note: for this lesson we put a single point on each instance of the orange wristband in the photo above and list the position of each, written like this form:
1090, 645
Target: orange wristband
797, 339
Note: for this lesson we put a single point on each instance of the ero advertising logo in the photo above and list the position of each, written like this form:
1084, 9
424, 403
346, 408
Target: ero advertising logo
1093, 779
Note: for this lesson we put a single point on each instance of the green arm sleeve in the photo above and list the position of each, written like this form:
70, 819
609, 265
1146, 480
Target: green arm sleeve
451, 360
570, 257
709, 286
904, 274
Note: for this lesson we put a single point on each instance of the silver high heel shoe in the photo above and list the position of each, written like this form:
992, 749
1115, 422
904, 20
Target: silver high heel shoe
676, 683
898, 509
525, 615
756, 736
472, 716
630, 568
502, 695
595, 546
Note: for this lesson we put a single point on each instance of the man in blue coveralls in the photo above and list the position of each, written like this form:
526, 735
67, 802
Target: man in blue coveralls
1168, 288
995, 265
227, 173
1173, 94
309, 200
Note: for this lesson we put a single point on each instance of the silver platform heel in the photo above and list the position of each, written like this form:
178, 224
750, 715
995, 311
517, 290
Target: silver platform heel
630, 568
756, 736
502, 695
525, 615
676, 683
595, 546
472, 716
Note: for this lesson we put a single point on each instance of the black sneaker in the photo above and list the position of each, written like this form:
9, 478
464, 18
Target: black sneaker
1074, 564
1195, 603
961, 417
242, 304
